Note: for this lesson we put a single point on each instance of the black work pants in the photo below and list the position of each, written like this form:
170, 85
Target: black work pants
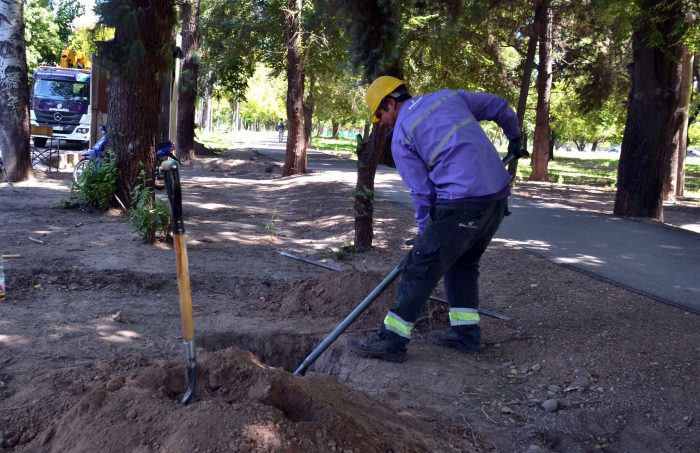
451, 245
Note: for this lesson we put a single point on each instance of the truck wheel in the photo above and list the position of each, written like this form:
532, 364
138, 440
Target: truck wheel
39, 142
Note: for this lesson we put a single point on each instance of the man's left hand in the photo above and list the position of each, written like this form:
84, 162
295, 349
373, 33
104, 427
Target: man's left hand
515, 146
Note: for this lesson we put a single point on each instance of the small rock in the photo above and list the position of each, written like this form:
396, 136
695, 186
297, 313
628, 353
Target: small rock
550, 405
506, 410
554, 389
115, 384
534, 449
131, 414
581, 383
688, 419
536, 367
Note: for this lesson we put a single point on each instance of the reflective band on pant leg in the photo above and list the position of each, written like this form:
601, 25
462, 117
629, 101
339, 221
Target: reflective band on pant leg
464, 316
394, 323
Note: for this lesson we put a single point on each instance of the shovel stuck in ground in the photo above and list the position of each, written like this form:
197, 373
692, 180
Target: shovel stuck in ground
172, 185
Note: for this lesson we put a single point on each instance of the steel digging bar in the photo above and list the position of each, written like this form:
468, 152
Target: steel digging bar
345, 323
172, 185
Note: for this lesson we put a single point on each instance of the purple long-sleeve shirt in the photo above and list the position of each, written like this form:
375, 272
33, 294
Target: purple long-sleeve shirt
443, 154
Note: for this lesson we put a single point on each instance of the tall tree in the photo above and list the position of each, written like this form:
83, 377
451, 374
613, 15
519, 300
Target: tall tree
14, 92
66, 12
676, 179
41, 34
137, 56
653, 116
188, 79
375, 31
295, 160
528, 64
540, 147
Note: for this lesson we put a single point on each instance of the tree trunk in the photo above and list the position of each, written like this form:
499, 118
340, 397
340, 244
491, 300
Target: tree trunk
367, 161
540, 147
205, 106
649, 140
686, 88
335, 128
309, 112
14, 93
135, 92
528, 65
295, 159
188, 80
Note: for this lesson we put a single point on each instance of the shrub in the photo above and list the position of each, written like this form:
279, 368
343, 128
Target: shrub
148, 215
98, 183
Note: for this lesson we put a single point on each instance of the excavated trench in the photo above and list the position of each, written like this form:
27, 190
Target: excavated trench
281, 350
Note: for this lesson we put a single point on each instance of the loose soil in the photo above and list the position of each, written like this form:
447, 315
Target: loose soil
91, 359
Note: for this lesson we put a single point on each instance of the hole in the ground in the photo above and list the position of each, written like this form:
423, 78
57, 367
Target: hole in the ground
282, 350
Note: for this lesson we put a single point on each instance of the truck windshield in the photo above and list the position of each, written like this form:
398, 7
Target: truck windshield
60, 89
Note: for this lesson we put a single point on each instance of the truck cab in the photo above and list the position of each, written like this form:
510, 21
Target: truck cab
61, 99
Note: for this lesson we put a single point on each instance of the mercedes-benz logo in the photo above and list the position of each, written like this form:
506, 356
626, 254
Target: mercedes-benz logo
57, 116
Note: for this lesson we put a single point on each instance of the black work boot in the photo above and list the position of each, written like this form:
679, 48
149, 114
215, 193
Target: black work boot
379, 346
453, 339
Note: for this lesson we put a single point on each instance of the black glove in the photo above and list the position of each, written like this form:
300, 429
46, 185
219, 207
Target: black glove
515, 146
413, 240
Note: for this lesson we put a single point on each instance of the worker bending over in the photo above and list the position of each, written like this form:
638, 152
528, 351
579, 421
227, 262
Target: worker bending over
460, 192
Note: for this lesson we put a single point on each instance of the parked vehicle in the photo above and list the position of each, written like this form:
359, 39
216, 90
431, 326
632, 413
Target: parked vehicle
61, 99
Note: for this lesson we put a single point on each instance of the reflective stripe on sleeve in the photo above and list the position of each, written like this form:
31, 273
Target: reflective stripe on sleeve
447, 136
394, 323
425, 114
464, 316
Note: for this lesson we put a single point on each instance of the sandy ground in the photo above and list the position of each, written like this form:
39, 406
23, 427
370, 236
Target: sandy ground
90, 353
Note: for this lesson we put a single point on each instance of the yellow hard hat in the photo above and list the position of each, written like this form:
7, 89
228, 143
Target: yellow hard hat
378, 90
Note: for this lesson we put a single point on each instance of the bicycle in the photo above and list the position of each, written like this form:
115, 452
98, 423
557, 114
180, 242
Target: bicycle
165, 150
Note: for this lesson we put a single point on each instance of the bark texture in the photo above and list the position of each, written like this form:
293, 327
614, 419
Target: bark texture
188, 80
135, 92
686, 88
368, 157
295, 159
653, 112
540, 147
14, 92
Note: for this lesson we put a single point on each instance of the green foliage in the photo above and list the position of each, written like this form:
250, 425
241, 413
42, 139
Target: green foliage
138, 27
345, 251
66, 12
98, 183
264, 98
41, 34
148, 215
270, 226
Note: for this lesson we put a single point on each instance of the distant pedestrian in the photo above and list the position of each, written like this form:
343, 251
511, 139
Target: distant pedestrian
280, 128
460, 190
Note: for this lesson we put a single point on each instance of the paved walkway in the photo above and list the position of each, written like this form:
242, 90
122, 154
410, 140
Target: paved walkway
656, 260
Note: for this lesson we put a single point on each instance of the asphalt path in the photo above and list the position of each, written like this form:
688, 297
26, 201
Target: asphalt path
656, 260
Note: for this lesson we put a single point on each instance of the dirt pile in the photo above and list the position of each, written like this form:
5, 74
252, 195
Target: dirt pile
334, 295
240, 405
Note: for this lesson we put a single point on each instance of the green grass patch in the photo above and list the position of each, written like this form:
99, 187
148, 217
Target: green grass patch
218, 141
334, 144
597, 171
